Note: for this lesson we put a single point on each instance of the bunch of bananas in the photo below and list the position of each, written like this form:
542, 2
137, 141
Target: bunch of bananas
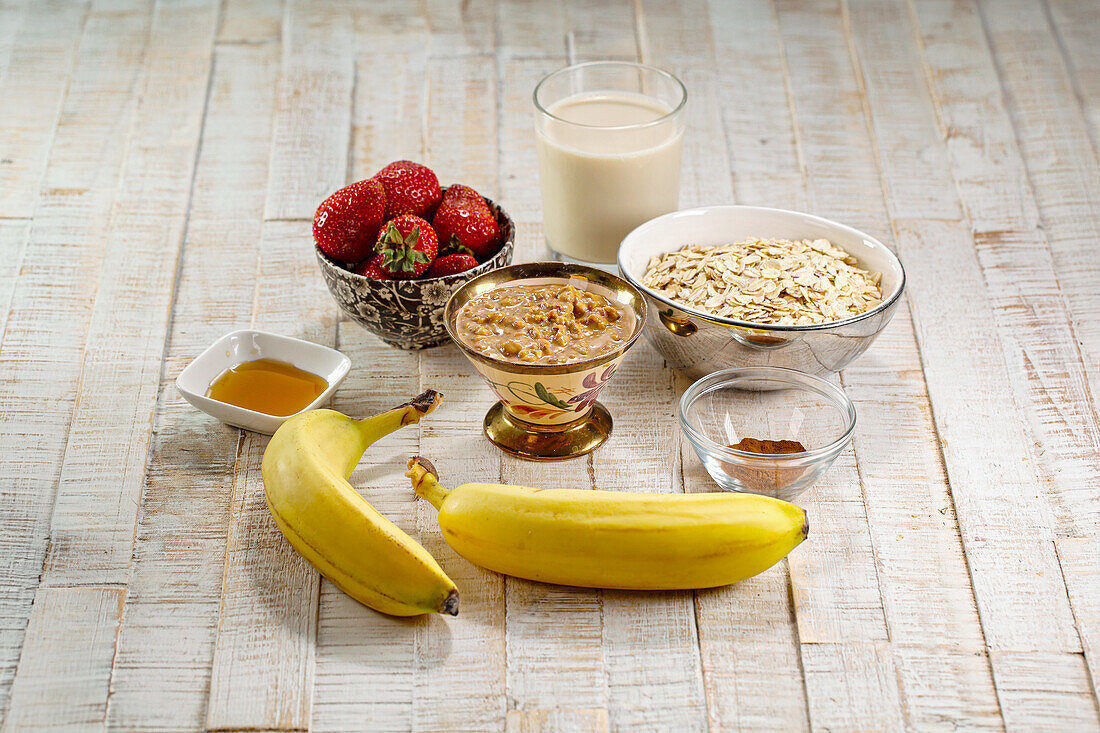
600, 539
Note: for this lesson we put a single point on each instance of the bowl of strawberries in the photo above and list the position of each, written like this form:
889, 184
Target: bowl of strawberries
394, 247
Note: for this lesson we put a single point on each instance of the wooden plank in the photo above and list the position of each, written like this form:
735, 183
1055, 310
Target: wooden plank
366, 662
908, 539
947, 689
33, 83
366, 665
650, 640
51, 306
309, 152
599, 30
852, 686
270, 595
1043, 365
531, 29
1077, 558
763, 150
460, 28
462, 660
262, 674
1077, 25
555, 634
66, 660
747, 632
1045, 691
14, 234
12, 16
96, 505
519, 189
834, 577
925, 583
166, 644
557, 719
978, 381
384, 132
251, 21
1061, 161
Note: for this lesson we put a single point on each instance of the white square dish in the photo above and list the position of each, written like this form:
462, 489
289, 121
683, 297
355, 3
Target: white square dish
248, 345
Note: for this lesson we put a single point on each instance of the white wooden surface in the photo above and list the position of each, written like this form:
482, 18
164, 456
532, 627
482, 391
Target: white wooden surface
159, 164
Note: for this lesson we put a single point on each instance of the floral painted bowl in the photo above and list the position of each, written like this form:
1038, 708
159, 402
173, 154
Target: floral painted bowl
549, 411
408, 313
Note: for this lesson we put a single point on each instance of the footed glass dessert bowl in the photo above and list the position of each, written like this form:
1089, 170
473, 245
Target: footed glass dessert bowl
546, 337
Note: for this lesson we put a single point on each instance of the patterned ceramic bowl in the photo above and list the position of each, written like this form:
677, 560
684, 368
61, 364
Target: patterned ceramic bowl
549, 411
408, 313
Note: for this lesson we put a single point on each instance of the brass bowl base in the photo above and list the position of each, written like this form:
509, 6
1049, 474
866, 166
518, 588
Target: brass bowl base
547, 442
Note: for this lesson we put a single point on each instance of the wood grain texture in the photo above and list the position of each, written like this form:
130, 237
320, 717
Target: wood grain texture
889, 62
1045, 691
1077, 558
51, 304
99, 491
1043, 358
835, 578
309, 149
366, 662
649, 641
964, 131
1061, 161
37, 63
262, 675
66, 660
1076, 26
162, 667
14, 234
251, 21
748, 634
462, 661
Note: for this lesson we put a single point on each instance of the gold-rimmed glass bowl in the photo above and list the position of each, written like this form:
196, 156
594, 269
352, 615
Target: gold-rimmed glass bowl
548, 411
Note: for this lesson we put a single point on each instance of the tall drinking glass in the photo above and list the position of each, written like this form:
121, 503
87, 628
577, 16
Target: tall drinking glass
609, 137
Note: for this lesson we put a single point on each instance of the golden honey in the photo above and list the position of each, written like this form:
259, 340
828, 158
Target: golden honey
268, 386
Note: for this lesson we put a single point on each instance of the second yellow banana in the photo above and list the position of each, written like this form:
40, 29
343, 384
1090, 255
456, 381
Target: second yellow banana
612, 539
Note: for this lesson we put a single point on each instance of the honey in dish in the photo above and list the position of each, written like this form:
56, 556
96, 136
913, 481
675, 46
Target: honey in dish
268, 386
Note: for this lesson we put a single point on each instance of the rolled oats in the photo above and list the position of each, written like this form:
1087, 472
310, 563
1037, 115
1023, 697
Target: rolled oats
773, 281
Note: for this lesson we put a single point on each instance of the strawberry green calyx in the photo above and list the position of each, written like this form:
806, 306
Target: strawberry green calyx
455, 247
399, 252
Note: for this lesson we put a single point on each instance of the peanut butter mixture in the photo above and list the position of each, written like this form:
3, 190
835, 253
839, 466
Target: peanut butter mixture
553, 323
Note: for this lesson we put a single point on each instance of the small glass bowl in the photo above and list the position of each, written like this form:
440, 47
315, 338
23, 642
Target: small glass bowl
766, 403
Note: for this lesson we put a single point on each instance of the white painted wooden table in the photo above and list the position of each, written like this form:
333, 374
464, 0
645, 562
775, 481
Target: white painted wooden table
159, 165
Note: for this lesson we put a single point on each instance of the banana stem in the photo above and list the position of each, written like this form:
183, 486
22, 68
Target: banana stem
422, 474
376, 426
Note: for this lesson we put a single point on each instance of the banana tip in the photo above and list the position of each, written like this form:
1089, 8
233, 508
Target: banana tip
423, 463
805, 526
423, 403
450, 603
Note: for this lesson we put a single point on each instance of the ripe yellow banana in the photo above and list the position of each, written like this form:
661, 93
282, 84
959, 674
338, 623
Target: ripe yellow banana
611, 539
306, 468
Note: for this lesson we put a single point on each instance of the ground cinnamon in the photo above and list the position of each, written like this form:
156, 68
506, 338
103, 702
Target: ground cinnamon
766, 480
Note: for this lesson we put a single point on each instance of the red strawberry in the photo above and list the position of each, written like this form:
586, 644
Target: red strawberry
460, 225
346, 224
411, 188
407, 245
458, 193
372, 268
451, 264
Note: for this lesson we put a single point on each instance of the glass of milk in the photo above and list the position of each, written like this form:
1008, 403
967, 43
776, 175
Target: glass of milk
609, 137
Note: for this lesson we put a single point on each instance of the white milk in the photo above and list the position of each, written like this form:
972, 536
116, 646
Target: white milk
599, 183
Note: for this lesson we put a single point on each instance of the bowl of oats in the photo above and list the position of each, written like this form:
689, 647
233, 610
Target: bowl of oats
737, 286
